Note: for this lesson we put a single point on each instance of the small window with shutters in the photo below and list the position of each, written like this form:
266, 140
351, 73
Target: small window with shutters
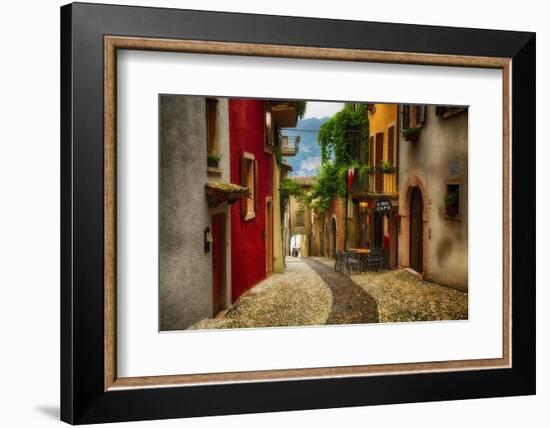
212, 126
371, 151
212, 136
413, 116
269, 129
391, 145
405, 117
249, 179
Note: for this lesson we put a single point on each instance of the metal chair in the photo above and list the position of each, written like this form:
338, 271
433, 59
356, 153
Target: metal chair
375, 259
352, 262
338, 261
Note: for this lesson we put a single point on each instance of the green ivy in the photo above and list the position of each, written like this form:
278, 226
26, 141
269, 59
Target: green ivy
288, 187
341, 138
301, 109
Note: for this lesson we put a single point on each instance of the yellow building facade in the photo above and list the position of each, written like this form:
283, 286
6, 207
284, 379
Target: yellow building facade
383, 193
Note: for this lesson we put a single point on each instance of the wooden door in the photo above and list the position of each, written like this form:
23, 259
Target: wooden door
416, 230
269, 235
333, 234
378, 177
218, 263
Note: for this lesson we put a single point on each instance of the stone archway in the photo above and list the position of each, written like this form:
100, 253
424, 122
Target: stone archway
413, 183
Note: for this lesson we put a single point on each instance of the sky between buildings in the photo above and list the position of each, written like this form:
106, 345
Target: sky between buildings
307, 160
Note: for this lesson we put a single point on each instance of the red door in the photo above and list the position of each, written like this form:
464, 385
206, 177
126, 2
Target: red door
218, 263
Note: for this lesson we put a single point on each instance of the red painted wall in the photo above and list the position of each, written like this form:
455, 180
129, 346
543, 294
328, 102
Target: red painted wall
248, 247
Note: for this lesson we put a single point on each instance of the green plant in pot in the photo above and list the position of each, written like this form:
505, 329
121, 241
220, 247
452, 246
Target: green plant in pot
213, 160
451, 204
411, 134
386, 167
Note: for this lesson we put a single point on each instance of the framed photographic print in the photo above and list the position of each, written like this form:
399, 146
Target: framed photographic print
267, 213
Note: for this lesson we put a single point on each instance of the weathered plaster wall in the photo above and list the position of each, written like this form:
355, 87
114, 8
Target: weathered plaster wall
278, 255
248, 245
336, 210
185, 269
302, 210
441, 142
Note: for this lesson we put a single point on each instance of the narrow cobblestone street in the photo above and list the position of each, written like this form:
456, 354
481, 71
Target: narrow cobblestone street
311, 292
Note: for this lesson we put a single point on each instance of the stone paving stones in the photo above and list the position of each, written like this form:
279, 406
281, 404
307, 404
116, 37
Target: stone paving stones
296, 297
310, 292
401, 297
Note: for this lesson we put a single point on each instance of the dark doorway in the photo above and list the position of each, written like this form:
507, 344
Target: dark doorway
218, 263
416, 230
378, 230
333, 236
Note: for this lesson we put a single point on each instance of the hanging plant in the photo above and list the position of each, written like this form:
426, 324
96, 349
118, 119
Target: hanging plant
411, 134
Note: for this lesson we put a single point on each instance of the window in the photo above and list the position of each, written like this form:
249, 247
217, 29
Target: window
452, 200
212, 145
378, 157
268, 128
249, 179
413, 116
371, 151
351, 208
300, 216
391, 145
406, 117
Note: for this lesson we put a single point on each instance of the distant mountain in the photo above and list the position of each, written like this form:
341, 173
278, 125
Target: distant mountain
307, 160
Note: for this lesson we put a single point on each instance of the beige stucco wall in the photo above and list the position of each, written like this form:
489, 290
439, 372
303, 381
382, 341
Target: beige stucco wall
305, 228
185, 270
426, 163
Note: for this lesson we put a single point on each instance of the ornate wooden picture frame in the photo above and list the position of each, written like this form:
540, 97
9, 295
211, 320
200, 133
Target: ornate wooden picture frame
91, 390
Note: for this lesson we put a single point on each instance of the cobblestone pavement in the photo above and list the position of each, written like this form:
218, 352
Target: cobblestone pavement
297, 297
310, 292
350, 303
307, 293
401, 297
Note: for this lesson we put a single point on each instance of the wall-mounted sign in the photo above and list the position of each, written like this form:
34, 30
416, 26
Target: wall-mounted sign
382, 206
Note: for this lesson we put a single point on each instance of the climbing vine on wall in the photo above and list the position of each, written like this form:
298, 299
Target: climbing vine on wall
342, 139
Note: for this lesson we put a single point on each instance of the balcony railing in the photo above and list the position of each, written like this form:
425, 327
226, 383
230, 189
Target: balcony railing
289, 145
383, 183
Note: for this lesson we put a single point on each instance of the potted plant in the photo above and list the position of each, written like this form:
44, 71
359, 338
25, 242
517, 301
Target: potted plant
386, 167
411, 134
213, 160
451, 204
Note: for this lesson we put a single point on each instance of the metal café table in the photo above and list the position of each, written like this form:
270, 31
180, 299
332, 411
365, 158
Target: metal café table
361, 254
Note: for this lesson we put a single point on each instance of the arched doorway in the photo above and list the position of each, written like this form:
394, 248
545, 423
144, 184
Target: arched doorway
416, 230
333, 236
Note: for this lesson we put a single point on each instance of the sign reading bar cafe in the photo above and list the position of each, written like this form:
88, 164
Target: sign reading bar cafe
382, 206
